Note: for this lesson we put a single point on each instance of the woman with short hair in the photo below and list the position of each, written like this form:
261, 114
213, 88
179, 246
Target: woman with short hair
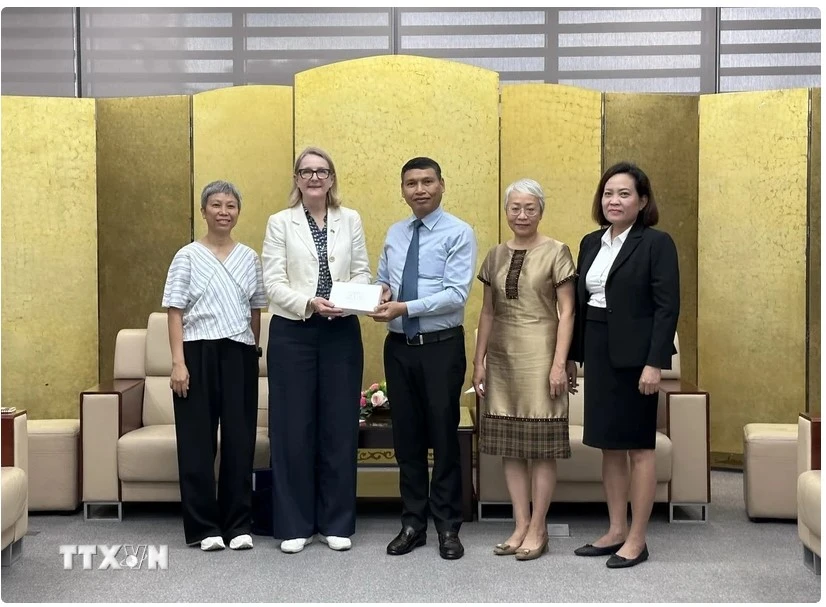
214, 294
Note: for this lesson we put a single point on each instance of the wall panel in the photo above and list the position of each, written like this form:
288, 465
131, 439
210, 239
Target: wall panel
144, 207
49, 252
553, 133
752, 259
667, 150
244, 135
374, 114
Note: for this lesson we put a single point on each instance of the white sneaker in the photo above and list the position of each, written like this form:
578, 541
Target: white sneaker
216, 542
241, 542
295, 545
336, 543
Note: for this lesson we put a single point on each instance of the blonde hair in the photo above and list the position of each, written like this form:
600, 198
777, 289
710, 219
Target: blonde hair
333, 197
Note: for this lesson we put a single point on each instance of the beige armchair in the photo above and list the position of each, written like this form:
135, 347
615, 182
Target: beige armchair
14, 509
682, 454
127, 425
808, 489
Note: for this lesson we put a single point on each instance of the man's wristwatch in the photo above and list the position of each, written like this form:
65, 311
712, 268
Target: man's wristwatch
260, 351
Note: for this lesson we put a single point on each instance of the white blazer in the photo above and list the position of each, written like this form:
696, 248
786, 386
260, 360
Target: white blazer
290, 259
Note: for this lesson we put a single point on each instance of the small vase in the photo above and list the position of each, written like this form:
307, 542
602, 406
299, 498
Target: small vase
380, 414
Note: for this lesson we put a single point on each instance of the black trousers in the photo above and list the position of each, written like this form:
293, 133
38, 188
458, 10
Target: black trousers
315, 369
424, 385
223, 386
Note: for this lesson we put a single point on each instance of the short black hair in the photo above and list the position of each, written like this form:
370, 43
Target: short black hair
424, 163
649, 216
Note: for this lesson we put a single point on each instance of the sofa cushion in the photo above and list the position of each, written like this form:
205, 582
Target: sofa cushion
158, 408
14, 487
157, 402
158, 357
149, 454
585, 464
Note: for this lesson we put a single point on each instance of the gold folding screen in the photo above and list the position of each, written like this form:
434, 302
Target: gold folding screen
753, 177
374, 114
737, 177
553, 134
660, 134
813, 282
144, 212
50, 254
244, 135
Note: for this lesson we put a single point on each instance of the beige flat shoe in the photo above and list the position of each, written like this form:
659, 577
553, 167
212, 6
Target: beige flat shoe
504, 549
523, 554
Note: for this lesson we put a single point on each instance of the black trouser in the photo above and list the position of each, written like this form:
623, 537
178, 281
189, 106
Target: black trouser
424, 385
314, 368
223, 385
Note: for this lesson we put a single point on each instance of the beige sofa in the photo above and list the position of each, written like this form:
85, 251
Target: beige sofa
682, 452
14, 509
809, 489
128, 446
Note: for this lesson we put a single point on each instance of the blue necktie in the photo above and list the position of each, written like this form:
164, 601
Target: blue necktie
410, 281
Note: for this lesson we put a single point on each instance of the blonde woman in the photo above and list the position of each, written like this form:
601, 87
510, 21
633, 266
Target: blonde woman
315, 358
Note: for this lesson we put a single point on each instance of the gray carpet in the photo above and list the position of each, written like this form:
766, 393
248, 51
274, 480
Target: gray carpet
729, 559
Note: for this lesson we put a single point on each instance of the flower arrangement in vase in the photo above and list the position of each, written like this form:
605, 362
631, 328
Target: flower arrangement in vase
374, 400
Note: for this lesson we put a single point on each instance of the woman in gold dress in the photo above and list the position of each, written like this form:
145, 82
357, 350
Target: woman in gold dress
525, 331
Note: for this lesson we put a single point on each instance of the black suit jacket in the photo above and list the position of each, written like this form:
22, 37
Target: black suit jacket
642, 295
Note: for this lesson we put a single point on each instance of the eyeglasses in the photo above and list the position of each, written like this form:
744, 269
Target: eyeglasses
529, 211
320, 173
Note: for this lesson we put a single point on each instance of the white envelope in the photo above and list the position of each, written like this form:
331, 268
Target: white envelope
355, 298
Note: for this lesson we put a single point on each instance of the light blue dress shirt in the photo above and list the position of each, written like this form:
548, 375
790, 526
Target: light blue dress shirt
447, 262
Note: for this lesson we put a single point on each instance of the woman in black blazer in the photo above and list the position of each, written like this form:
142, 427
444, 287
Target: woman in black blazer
627, 304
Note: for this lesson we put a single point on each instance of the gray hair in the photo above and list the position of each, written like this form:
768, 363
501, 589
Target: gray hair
219, 187
526, 186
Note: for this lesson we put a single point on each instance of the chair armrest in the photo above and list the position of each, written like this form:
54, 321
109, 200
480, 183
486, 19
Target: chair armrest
107, 412
15, 439
808, 443
686, 410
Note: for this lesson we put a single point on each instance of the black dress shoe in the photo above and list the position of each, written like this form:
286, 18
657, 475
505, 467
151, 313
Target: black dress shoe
407, 539
449, 545
619, 562
590, 550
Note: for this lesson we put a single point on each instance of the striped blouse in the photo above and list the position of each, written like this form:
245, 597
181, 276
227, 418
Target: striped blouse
217, 298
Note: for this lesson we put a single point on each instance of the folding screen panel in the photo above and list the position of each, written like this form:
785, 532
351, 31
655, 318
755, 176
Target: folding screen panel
553, 133
144, 207
244, 135
49, 252
660, 134
374, 114
752, 294
814, 283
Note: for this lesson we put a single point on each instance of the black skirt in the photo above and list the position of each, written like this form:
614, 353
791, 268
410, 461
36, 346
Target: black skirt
617, 416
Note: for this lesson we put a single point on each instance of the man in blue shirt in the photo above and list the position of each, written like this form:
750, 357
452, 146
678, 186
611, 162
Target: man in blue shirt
426, 268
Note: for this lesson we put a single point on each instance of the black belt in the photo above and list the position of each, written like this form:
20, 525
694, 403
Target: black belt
597, 314
421, 339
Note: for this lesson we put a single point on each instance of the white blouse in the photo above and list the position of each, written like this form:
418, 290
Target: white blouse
216, 297
597, 275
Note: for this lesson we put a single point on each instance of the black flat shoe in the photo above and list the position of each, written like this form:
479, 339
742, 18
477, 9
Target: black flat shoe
407, 539
619, 562
591, 550
450, 547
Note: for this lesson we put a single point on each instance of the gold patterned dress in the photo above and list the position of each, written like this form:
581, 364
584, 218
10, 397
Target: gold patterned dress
519, 418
